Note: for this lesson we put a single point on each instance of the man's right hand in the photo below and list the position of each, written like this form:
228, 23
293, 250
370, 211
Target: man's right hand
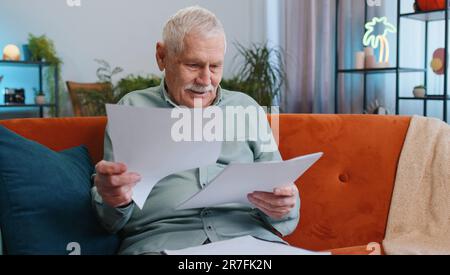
114, 183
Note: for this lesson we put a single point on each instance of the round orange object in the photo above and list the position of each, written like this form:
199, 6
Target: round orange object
429, 5
438, 62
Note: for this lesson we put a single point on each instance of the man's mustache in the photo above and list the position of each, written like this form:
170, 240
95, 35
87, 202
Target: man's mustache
199, 88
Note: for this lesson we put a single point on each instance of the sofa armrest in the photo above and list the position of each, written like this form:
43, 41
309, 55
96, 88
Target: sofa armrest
370, 249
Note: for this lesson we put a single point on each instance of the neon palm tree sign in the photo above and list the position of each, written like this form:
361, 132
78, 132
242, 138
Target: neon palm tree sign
376, 41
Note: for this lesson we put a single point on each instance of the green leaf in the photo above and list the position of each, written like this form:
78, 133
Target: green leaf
261, 73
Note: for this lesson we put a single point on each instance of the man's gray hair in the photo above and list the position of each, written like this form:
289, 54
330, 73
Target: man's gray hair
187, 20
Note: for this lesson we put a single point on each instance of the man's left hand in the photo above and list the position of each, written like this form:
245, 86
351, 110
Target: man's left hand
277, 204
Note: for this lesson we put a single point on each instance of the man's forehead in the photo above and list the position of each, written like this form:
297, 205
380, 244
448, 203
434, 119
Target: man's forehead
197, 50
195, 40
199, 57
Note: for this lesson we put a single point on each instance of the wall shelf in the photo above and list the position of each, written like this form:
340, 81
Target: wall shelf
426, 18
40, 66
24, 63
389, 70
430, 16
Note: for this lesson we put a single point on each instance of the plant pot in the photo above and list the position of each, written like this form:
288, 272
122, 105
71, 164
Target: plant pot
39, 99
26, 52
419, 92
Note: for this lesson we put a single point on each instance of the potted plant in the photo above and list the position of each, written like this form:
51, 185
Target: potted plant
419, 91
261, 74
375, 108
42, 49
95, 100
39, 98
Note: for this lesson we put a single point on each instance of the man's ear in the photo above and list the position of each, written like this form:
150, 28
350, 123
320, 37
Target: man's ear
161, 55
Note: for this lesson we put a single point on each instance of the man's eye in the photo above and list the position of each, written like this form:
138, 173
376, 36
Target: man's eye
194, 66
215, 67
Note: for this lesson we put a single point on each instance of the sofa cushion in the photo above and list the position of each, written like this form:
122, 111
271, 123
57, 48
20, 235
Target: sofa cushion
45, 204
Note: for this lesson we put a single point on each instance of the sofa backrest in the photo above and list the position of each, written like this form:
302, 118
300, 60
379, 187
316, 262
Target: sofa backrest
345, 196
63, 133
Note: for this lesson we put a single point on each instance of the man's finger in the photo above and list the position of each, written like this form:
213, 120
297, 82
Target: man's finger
276, 206
285, 191
127, 179
274, 201
110, 168
270, 213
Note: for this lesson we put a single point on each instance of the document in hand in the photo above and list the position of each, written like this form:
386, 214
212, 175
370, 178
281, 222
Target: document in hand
239, 179
142, 139
247, 245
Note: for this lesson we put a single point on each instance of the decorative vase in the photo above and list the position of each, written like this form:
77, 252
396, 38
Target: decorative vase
360, 60
370, 62
26, 52
438, 62
419, 92
39, 99
429, 5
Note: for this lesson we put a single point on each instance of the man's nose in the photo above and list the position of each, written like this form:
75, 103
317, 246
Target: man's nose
204, 77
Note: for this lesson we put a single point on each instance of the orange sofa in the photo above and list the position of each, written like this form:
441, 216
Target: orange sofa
345, 196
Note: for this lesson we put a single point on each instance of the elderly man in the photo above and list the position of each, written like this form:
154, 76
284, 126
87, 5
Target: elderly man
192, 56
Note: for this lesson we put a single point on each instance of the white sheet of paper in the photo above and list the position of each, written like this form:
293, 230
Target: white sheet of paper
246, 245
239, 179
141, 138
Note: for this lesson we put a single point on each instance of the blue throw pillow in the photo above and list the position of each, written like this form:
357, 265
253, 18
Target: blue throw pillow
45, 201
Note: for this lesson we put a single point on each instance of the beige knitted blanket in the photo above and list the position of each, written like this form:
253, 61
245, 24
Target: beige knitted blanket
419, 216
